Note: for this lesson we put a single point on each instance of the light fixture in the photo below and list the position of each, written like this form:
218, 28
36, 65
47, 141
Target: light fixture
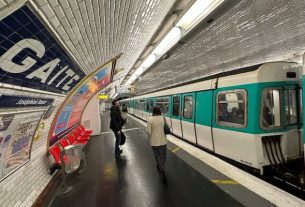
149, 61
198, 11
168, 41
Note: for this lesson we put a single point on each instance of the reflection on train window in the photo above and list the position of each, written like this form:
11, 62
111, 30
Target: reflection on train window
231, 108
176, 106
290, 107
163, 103
136, 104
188, 107
271, 108
150, 105
142, 104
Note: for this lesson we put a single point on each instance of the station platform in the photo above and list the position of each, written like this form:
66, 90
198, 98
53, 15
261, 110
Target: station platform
133, 180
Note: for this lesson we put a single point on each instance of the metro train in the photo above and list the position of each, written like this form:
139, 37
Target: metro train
250, 115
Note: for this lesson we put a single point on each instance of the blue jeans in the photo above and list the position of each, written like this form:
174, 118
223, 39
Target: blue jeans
117, 142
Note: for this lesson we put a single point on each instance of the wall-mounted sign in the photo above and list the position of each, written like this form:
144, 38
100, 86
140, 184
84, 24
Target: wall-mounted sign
122, 89
8, 101
103, 96
31, 57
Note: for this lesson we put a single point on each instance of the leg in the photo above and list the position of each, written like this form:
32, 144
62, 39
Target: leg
162, 151
117, 143
160, 156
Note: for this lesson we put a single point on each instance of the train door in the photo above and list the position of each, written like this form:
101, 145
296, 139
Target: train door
292, 120
203, 119
188, 117
176, 115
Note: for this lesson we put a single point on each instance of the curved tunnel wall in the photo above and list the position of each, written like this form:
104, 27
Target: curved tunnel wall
36, 73
70, 113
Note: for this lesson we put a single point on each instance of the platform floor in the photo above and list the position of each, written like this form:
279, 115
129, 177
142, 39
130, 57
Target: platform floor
133, 180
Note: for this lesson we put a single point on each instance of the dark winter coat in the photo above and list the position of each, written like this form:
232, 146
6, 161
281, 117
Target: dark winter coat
116, 121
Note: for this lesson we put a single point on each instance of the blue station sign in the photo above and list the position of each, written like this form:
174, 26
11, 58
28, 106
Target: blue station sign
8, 101
31, 57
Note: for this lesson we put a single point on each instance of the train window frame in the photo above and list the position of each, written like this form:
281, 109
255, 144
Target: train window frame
141, 102
173, 104
149, 105
183, 114
280, 106
168, 103
230, 124
289, 103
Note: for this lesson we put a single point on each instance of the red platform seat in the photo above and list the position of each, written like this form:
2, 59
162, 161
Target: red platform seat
55, 151
63, 142
72, 140
79, 137
84, 130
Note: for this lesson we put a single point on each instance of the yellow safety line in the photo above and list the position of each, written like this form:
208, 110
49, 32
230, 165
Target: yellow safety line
225, 182
176, 149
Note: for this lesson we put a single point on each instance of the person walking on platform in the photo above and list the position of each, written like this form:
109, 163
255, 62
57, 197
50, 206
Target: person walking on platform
155, 129
116, 123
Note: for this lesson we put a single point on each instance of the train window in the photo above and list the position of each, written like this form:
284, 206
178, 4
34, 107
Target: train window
142, 104
300, 100
136, 104
163, 103
271, 108
290, 107
231, 108
150, 105
188, 107
176, 106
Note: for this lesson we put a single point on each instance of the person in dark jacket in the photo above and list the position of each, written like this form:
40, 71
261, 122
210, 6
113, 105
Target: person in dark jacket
116, 124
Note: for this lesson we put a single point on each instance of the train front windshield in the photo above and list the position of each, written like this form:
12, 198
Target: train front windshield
279, 106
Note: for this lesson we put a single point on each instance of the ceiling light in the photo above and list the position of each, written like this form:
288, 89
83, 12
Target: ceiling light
198, 11
149, 61
168, 41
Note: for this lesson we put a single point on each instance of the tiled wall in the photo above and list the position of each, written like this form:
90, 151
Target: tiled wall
22, 187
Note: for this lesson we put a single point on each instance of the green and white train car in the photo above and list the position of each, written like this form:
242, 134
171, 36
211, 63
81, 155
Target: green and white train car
250, 115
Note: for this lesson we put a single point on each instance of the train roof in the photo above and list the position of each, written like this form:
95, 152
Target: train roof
267, 72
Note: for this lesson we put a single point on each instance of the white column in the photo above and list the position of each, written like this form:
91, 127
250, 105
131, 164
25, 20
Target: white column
91, 118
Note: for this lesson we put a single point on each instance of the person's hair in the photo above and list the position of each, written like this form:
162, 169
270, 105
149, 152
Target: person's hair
156, 111
113, 102
124, 104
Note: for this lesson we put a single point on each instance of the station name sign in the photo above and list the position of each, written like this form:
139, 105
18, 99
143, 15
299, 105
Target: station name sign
8, 101
31, 57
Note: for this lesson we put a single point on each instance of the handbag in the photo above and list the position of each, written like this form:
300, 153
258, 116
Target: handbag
167, 130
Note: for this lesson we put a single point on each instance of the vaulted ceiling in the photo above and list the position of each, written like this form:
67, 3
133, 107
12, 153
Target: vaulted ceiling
242, 34
94, 31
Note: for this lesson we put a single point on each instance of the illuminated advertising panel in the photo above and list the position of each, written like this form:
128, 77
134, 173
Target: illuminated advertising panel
70, 113
30, 57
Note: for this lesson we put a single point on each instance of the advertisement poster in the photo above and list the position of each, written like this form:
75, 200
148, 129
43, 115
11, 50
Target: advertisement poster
16, 140
71, 112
